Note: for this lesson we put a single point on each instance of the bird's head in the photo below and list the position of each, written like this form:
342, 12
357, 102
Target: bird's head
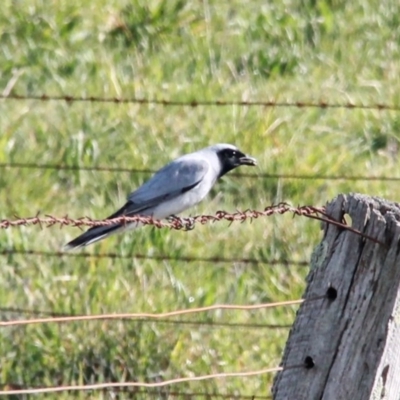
230, 157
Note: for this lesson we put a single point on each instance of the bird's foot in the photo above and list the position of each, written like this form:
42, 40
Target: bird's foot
186, 224
173, 218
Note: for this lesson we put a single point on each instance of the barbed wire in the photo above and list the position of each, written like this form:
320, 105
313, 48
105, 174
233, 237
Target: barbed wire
196, 103
151, 316
161, 257
63, 167
169, 393
176, 223
208, 324
74, 167
111, 385
188, 223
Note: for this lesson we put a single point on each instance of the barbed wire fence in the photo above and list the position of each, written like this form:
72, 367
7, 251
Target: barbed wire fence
11, 316
118, 385
318, 213
134, 390
160, 257
176, 223
198, 103
10, 389
63, 167
154, 392
151, 316
4, 311
185, 223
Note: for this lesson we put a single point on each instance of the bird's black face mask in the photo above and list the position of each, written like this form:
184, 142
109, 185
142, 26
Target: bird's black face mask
231, 158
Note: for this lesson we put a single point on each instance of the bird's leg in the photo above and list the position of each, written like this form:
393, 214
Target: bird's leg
173, 218
187, 223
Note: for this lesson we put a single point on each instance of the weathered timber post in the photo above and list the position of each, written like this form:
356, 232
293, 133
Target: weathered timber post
350, 340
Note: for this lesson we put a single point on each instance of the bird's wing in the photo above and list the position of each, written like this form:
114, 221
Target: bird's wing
169, 182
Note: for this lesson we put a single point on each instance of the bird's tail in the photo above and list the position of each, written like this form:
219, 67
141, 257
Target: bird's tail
92, 235
97, 233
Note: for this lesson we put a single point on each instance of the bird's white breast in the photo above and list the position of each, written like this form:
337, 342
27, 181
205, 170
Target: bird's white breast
186, 200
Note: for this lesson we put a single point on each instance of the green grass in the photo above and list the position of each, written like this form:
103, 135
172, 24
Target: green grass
331, 50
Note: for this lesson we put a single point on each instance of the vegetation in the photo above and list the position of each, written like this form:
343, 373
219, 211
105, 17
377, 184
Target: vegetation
331, 50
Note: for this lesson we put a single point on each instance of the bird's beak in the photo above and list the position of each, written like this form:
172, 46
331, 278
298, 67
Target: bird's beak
247, 161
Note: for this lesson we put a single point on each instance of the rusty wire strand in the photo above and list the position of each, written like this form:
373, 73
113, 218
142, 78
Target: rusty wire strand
111, 385
99, 168
189, 223
196, 103
161, 257
343, 225
176, 223
167, 392
208, 324
155, 316
130, 385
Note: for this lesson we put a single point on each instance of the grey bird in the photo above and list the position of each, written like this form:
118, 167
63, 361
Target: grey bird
176, 187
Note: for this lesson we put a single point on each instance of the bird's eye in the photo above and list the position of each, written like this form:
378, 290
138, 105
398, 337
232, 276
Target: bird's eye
230, 153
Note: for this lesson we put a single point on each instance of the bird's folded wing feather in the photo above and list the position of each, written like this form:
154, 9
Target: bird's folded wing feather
169, 182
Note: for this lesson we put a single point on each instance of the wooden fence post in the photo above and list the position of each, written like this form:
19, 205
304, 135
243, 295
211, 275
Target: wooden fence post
346, 346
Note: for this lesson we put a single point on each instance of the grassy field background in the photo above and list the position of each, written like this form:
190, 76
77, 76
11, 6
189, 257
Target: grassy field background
331, 50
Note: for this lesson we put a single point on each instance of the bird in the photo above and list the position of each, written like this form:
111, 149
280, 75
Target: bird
179, 185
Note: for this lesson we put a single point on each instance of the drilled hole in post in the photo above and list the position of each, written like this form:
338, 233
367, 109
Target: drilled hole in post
309, 362
331, 293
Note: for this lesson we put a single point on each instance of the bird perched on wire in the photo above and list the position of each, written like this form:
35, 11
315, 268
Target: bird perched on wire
176, 187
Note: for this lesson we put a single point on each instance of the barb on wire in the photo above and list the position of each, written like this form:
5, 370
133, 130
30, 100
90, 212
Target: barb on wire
196, 103
187, 311
161, 257
99, 168
176, 223
210, 324
111, 385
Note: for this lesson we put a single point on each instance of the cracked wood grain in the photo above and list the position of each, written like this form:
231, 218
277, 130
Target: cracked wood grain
353, 339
